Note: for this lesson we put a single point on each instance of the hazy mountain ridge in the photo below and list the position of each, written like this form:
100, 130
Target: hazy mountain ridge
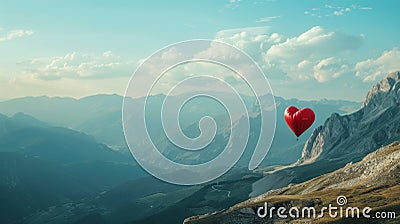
89, 114
92, 114
25, 134
43, 166
78, 181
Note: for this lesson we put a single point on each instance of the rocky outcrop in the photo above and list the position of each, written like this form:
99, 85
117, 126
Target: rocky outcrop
352, 136
384, 94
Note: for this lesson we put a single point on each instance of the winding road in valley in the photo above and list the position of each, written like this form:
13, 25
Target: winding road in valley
214, 188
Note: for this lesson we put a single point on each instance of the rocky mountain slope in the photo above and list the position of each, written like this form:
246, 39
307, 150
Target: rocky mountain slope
344, 138
373, 182
351, 136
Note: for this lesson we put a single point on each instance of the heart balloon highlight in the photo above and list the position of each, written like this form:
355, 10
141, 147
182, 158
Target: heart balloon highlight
299, 120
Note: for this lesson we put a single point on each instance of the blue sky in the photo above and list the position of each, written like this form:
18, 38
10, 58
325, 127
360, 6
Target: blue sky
307, 49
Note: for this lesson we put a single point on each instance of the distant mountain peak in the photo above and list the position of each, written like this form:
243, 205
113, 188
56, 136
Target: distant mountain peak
19, 115
2, 116
25, 120
384, 93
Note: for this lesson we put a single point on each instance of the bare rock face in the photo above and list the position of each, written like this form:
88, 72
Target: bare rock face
384, 94
351, 136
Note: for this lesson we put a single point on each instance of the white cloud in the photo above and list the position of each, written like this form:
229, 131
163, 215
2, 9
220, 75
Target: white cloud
341, 11
314, 42
218, 51
253, 40
267, 19
311, 54
110, 54
329, 68
171, 55
239, 33
303, 64
13, 34
372, 69
334, 10
77, 66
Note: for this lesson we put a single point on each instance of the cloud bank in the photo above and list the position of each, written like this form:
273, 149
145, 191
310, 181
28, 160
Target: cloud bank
78, 66
374, 68
13, 34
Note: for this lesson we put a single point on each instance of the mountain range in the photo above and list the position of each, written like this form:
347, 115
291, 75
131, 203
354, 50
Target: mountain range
100, 116
84, 179
88, 179
42, 166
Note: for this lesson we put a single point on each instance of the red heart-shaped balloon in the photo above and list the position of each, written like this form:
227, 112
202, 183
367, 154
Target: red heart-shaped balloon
299, 120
